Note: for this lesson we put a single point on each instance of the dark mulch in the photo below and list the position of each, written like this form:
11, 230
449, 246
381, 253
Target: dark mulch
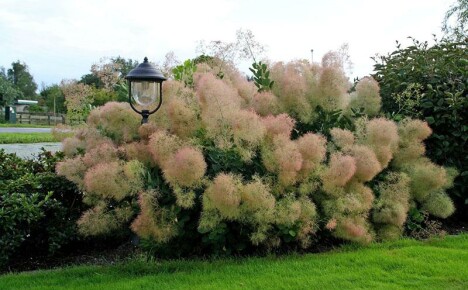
455, 226
98, 255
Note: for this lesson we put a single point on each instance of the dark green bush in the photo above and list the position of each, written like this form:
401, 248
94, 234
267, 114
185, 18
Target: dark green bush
431, 83
38, 209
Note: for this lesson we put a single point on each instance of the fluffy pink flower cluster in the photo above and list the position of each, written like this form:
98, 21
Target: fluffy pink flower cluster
154, 222
391, 209
281, 124
283, 158
185, 167
382, 137
367, 96
115, 120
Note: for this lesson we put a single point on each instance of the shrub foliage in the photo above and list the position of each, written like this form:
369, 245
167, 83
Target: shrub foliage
38, 209
431, 83
224, 167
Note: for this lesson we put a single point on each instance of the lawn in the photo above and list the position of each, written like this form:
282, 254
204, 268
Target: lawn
10, 138
405, 264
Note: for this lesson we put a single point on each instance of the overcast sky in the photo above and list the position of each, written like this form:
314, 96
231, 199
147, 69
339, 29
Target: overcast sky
62, 39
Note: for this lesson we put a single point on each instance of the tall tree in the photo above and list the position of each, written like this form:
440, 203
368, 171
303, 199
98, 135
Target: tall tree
20, 77
54, 98
78, 100
8, 93
455, 23
124, 66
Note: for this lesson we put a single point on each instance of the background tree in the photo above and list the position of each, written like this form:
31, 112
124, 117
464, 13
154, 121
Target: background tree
124, 66
52, 97
78, 99
19, 75
455, 23
91, 80
8, 92
107, 79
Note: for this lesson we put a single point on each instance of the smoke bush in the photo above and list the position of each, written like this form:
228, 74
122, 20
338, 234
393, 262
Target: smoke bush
153, 222
278, 125
391, 207
256, 196
185, 168
291, 86
138, 151
333, 87
367, 164
96, 221
265, 103
73, 169
72, 145
313, 150
113, 180
283, 158
439, 204
115, 120
339, 172
381, 131
101, 220
223, 168
248, 132
183, 119
367, 96
146, 130
103, 154
382, 137
353, 229
342, 138
224, 195
288, 211
162, 145
426, 177
413, 129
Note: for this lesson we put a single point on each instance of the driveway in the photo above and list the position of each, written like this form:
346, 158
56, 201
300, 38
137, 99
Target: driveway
30, 150
25, 130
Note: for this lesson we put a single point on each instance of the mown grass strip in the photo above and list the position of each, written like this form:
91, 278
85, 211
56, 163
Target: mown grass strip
405, 264
11, 138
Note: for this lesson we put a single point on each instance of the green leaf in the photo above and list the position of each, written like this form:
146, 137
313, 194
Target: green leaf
427, 105
430, 120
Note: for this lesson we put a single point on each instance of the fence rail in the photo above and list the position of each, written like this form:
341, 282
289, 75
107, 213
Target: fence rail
40, 118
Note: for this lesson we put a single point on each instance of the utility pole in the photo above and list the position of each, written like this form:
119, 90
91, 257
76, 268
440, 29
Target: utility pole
55, 114
312, 55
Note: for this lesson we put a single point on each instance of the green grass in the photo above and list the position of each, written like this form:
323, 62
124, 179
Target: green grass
405, 264
7, 125
10, 138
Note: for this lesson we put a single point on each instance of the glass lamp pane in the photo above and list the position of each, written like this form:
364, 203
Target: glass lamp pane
144, 93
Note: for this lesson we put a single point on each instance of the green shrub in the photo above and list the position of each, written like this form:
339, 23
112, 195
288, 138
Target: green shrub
38, 209
431, 83
184, 72
223, 168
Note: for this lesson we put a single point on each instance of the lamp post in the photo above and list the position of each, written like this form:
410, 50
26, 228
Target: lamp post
145, 88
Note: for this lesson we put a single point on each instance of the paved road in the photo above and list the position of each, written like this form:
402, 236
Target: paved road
30, 150
25, 130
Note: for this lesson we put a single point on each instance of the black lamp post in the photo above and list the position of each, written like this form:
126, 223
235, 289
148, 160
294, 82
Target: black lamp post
145, 87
